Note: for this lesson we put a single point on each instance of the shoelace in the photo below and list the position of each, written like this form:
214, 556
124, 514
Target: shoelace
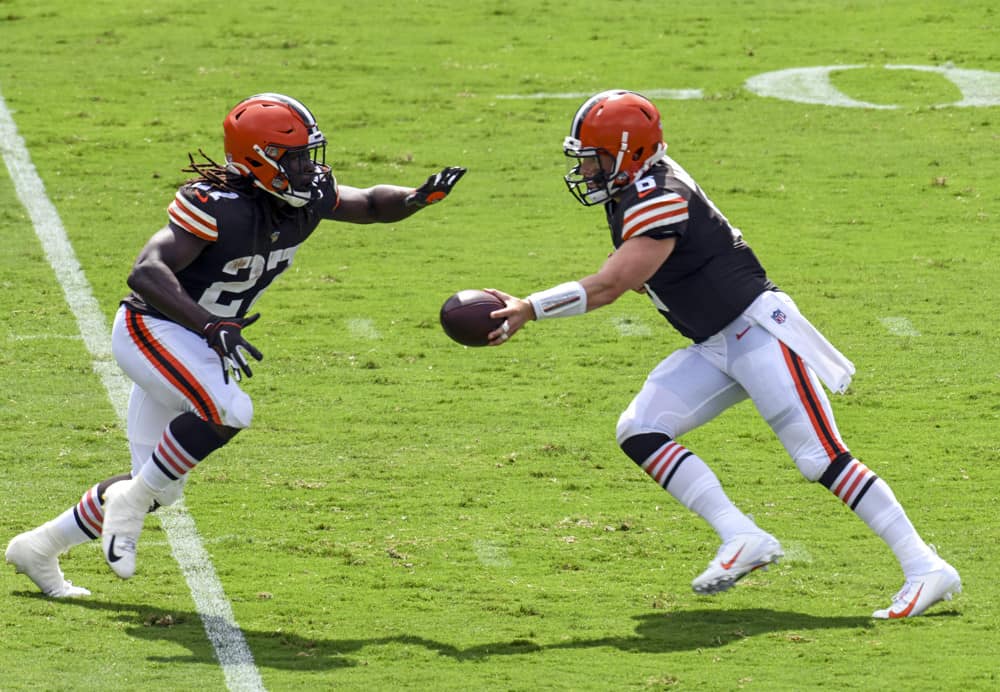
903, 593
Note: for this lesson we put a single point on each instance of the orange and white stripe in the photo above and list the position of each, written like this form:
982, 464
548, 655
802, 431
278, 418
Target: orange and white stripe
853, 482
172, 458
654, 213
192, 219
662, 464
89, 513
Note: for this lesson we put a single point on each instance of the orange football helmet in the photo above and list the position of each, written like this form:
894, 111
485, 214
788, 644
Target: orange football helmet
623, 126
273, 140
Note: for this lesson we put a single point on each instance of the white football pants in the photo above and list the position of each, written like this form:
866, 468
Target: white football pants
695, 384
173, 371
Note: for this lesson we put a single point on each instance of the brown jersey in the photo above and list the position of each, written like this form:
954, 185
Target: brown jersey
712, 275
251, 241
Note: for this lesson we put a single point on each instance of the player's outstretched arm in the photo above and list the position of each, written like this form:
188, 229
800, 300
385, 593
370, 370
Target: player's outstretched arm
391, 203
626, 269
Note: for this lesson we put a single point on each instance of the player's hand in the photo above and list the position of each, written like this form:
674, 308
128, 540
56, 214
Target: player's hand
225, 336
517, 313
436, 188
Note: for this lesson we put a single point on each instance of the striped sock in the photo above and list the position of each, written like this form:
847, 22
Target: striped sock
873, 501
691, 482
80, 523
186, 441
88, 515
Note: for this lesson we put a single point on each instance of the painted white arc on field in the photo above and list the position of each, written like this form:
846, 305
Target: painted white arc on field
812, 85
210, 600
978, 87
807, 85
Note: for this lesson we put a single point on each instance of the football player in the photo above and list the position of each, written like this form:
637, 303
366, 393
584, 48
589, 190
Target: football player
179, 335
748, 341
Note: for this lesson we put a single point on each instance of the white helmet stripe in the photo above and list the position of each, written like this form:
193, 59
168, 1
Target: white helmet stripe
304, 113
590, 103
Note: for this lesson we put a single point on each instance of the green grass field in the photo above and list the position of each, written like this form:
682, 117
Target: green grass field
408, 514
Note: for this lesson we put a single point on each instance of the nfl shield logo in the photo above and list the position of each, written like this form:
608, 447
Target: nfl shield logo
778, 316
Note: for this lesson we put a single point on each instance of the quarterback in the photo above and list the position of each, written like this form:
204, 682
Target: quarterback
749, 340
179, 335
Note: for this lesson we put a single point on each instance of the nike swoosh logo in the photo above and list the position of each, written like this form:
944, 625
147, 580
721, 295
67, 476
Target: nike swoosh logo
740, 335
111, 551
731, 561
906, 611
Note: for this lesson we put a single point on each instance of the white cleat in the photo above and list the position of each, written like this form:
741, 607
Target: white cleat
738, 557
920, 593
34, 555
125, 507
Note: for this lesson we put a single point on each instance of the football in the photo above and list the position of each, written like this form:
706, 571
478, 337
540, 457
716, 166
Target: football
465, 316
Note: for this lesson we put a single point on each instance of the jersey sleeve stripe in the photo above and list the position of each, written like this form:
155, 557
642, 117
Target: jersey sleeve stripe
661, 212
192, 219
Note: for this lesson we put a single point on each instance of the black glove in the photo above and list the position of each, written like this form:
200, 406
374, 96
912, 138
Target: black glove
436, 188
224, 336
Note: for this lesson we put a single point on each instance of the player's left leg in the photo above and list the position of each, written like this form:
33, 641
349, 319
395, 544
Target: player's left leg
792, 400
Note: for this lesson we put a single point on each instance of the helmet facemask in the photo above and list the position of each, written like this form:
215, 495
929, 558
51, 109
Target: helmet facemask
297, 174
600, 185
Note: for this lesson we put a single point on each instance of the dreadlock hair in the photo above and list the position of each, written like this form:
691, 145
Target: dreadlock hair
211, 172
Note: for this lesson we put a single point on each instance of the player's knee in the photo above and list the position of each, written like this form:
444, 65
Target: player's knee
630, 425
627, 427
811, 466
238, 414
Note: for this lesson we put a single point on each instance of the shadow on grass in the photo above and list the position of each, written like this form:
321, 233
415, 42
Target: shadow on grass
682, 630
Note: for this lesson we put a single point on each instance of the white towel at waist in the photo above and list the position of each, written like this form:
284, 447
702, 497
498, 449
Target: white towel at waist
777, 313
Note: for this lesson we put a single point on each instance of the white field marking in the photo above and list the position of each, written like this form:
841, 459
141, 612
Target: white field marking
672, 94
899, 326
627, 327
363, 328
213, 607
491, 553
812, 85
807, 85
41, 337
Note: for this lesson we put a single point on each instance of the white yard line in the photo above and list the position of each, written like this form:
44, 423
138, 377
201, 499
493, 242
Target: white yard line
671, 94
210, 600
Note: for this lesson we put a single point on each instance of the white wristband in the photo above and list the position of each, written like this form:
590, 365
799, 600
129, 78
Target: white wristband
564, 300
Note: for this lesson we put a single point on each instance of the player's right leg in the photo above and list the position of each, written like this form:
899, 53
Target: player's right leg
681, 393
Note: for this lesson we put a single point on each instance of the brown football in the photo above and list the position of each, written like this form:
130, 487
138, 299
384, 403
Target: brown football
465, 316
